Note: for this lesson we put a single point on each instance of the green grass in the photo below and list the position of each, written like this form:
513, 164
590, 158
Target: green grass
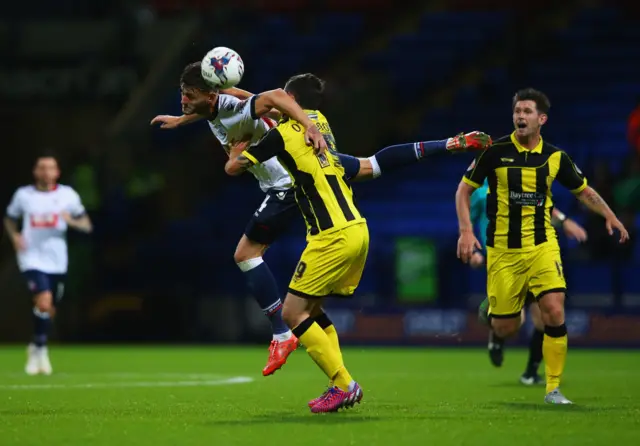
412, 397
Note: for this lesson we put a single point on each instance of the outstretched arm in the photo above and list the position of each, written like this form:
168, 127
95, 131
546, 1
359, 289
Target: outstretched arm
286, 105
173, 122
595, 203
573, 179
237, 93
244, 94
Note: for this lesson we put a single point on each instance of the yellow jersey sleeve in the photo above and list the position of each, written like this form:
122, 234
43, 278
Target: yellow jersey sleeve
570, 176
270, 146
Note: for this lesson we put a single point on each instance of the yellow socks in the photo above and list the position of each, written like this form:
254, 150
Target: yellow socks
322, 350
554, 352
325, 323
343, 379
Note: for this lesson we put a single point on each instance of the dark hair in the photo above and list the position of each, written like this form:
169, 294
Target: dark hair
191, 77
530, 94
46, 153
308, 89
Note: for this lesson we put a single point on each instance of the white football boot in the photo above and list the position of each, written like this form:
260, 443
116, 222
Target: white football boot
556, 397
44, 365
33, 360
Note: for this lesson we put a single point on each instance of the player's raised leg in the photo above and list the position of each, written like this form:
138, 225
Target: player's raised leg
399, 156
495, 346
263, 287
530, 376
272, 218
262, 284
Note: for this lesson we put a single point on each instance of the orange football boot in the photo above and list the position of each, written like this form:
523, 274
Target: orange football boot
279, 351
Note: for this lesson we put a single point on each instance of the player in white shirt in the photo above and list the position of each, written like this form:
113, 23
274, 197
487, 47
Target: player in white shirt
47, 209
243, 118
232, 120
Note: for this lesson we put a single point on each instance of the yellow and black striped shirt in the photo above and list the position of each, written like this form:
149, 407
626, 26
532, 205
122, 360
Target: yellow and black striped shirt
321, 190
519, 201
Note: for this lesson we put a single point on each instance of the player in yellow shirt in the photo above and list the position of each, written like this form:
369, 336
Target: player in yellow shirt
522, 248
337, 234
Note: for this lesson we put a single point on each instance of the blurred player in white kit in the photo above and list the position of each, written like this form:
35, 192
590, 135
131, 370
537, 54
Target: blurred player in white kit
46, 210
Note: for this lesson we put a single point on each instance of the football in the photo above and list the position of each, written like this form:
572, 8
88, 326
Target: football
222, 68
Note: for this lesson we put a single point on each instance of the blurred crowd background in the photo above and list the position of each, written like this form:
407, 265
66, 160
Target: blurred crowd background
85, 79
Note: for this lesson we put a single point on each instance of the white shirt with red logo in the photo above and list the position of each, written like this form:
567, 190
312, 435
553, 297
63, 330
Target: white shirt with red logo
235, 121
43, 228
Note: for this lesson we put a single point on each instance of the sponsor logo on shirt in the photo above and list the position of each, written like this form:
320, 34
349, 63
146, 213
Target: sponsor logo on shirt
43, 220
535, 199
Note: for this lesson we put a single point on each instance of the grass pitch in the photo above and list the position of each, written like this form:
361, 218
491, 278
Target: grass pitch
216, 396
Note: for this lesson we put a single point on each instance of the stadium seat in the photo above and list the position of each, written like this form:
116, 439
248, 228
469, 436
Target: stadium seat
590, 285
630, 286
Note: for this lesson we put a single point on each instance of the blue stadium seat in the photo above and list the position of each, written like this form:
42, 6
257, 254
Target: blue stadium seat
589, 284
630, 285
477, 281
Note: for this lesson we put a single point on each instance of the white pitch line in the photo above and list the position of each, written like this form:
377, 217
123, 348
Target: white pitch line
126, 375
219, 382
